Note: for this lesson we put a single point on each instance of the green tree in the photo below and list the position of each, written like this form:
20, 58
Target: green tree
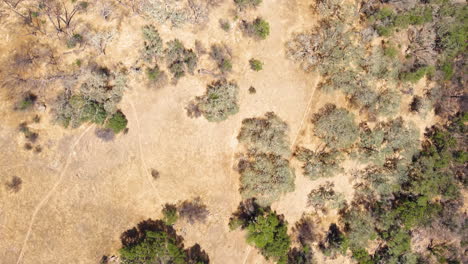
269, 233
117, 122
157, 247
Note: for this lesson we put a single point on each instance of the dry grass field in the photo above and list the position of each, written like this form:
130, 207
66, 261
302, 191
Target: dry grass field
79, 192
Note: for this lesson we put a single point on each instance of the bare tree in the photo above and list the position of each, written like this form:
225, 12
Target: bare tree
61, 15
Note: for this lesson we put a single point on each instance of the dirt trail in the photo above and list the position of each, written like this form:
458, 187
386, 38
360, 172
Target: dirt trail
140, 149
49, 194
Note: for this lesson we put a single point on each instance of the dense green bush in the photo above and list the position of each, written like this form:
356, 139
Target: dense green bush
157, 247
270, 234
154, 242
219, 101
265, 230
265, 134
335, 126
265, 177
255, 64
117, 122
416, 74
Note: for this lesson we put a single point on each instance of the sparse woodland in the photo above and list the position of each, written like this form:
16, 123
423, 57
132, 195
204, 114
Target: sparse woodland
398, 65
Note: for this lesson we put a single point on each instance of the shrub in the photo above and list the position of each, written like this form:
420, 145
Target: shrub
155, 174
28, 134
156, 76
225, 25
265, 177
15, 184
193, 211
117, 122
255, 65
258, 28
301, 255
335, 126
244, 4
156, 247
221, 54
325, 197
335, 241
105, 134
252, 90
27, 102
170, 215
388, 103
180, 60
390, 51
153, 45
219, 101
322, 164
265, 134
74, 40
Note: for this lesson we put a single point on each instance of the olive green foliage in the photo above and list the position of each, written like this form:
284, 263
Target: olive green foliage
244, 4
117, 122
153, 73
156, 77
180, 60
219, 101
265, 177
408, 203
266, 230
390, 51
157, 247
221, 54
360, 228
325, 197
259, 28
386, 20
154, 242
328, 48
95, 102
452, 30
336, 127
265, 134
320, 164
269, 234
256, 65
416, 74
153, 45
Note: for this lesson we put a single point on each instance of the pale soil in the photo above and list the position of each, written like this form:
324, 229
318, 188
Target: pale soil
81, 193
